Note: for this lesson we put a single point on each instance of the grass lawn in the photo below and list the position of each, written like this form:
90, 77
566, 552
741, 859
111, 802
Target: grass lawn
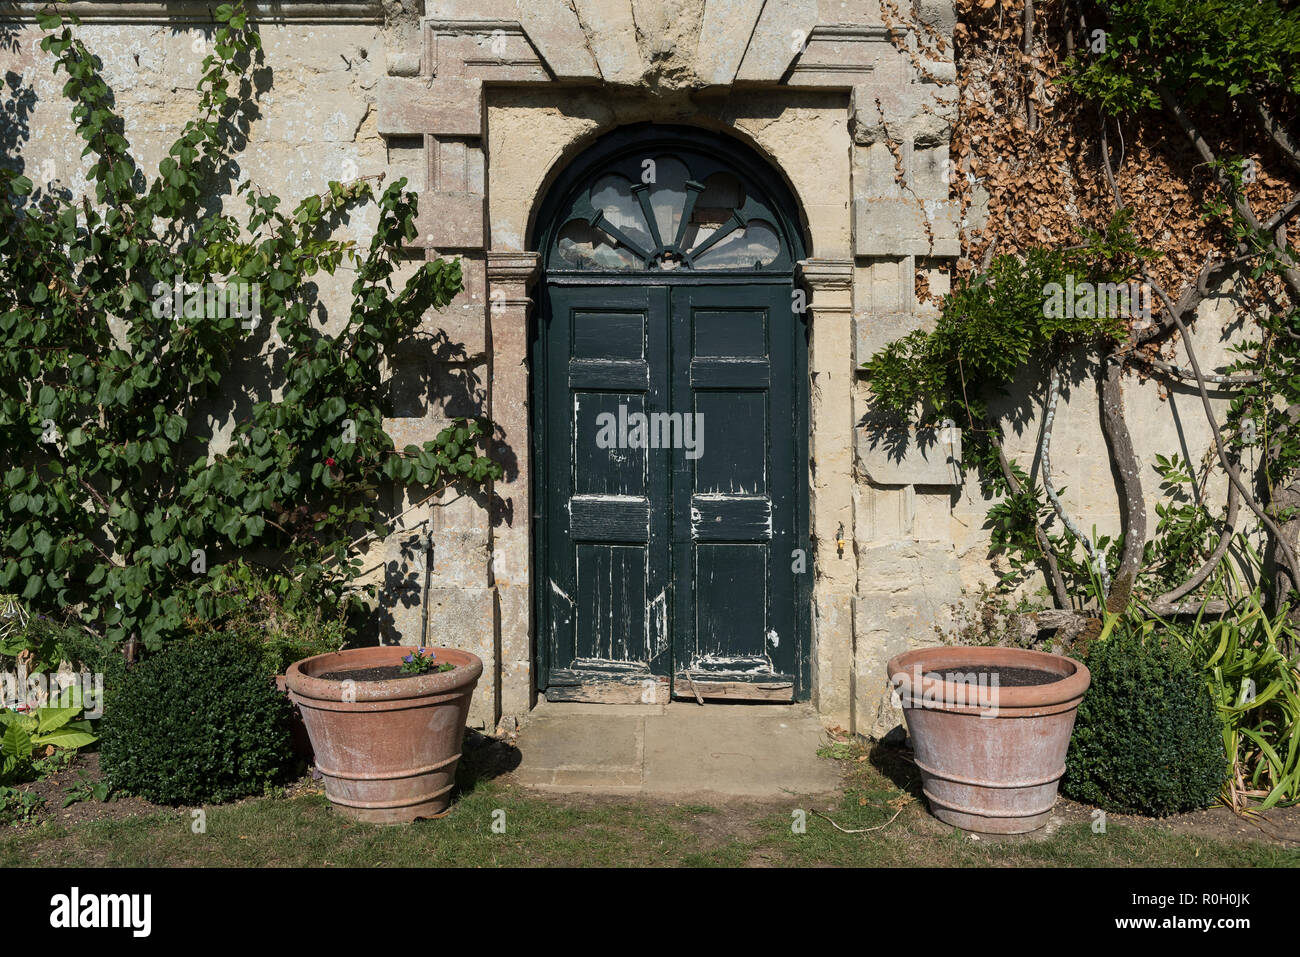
300, 829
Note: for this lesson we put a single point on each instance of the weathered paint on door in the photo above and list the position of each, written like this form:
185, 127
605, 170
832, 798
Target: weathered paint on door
670, 408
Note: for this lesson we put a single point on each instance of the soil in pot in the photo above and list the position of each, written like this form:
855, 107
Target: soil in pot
1007, 677
385, 673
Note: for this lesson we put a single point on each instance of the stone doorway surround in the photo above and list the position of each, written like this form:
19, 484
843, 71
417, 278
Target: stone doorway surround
495, 96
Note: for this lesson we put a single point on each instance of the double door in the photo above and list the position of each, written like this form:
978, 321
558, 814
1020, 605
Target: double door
671, 492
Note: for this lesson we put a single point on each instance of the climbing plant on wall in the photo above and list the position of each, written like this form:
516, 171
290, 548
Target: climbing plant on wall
1165, 128
119, 315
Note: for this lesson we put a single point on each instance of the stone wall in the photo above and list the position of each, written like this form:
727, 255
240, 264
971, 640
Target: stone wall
480, 104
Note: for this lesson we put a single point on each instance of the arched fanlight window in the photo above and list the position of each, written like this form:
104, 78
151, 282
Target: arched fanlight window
661, 203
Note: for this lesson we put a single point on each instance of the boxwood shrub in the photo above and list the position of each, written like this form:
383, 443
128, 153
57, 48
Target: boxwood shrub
1147, 739
198, 722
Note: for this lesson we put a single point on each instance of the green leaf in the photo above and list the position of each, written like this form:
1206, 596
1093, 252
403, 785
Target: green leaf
66, 738
50, 719
16, 742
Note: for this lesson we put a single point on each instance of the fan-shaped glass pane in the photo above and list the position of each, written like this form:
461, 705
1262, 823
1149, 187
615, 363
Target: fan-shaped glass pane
668, 195
756, 244
612, 195
627, 212
723, 194
586, 248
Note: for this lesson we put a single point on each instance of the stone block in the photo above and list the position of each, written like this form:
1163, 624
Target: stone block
883, 514
933, 518
554, 29
833, 651
909, 456
514, 613
451, 221
450, 106
612, 37
904, 227
841, 55
903, 621
493, 50
938, 14
462, 618
901, 567
777, 39
908, 593
873, 331
404, 63
723, 37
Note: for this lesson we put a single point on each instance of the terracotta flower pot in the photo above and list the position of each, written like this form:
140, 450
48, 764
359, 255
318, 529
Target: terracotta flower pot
991, 751
387, 749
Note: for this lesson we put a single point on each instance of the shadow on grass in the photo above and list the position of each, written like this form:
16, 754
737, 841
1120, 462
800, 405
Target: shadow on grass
895, 762
482, 759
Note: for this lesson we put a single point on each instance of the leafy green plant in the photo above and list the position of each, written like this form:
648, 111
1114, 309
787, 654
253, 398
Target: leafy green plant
18, 806
1147, 739
41, 640
54, 725
418, 663
86, 790
1256, 689
200, 721
1185, 529
989, 329
111, 503
285, 619
1207, 50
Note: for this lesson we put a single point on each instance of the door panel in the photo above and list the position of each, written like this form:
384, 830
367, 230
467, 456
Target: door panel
665, 554
735, 506
606, 556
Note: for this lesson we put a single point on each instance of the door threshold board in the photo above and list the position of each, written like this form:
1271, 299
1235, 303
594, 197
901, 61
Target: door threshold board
595, 687
776, 690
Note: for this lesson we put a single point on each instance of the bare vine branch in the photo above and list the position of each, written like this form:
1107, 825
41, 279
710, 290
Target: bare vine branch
1221, 549
1187, 375
1234, 476
1045, 454
1055, 579
1114, 427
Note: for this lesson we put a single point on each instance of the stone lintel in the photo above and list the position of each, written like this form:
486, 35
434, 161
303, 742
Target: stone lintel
551, 26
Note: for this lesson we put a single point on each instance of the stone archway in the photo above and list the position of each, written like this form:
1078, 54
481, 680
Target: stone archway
664, 536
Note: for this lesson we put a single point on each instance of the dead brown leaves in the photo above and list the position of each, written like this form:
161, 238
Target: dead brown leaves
1044, 186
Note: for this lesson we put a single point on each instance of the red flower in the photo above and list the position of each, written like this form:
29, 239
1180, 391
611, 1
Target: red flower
329, 461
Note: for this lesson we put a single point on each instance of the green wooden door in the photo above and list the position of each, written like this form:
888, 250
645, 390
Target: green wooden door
670, 431
604, 575
737, 356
